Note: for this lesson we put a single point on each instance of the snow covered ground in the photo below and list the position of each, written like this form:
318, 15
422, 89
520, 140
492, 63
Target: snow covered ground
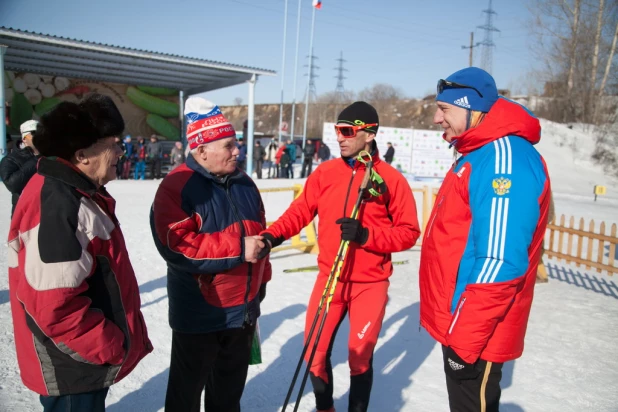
569, 363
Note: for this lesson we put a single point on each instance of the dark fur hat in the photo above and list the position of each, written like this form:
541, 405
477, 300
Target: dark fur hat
70, 127
104, 114
64, 130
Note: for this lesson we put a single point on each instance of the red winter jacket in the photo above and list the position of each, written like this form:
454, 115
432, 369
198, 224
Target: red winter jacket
74, 296
331, 192
482, 244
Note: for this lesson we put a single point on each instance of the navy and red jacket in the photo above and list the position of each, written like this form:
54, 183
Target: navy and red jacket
482, 244
198, 223
74, 296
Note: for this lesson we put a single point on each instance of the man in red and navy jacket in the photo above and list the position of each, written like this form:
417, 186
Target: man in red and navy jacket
74, 297
482, 243
205, 220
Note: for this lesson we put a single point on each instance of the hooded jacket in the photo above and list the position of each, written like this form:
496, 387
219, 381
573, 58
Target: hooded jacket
74, 296
331, 192
482, 243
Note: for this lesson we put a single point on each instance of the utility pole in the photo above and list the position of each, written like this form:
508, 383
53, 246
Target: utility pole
312, 73
471, 47
488, 43
339, 90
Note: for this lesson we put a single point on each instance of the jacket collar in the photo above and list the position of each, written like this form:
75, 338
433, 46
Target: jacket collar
504, 119
64, 171
375, 157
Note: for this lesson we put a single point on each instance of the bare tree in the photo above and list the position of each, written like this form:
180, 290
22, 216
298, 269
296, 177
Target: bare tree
238, 101
574, 28
609, 62
573, 38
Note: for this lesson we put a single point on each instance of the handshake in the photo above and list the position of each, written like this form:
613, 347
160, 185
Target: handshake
257, 247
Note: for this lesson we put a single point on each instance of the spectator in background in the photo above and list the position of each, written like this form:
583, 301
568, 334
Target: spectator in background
129, 154
323, 152
140, 158
177, 155
120, 163
278, 156
390, 153
309, 152
291, 146
241, 160
258, 158
74, 296
155, 155
17, 167
285, 162
271, 153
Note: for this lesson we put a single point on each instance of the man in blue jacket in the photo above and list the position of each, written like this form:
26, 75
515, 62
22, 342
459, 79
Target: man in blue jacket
205, 220
291, 146
241, 160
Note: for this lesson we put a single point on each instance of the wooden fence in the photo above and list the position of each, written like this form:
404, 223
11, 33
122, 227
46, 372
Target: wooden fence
582, 246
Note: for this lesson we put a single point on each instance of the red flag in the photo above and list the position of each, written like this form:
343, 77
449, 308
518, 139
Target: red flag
317, 4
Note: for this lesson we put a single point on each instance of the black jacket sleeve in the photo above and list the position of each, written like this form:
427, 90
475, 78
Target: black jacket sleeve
17, 168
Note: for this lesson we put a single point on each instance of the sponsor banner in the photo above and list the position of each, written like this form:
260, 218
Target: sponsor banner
426, 164
431, 140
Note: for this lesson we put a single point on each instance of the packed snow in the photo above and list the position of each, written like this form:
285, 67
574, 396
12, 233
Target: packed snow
569, 363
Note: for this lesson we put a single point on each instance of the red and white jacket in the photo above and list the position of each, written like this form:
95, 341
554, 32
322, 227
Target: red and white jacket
74, 297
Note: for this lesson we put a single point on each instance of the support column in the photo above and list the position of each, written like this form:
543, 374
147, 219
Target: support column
2, 103
250, 122
181, 104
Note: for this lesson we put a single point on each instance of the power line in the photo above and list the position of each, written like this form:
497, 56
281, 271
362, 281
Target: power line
488, 43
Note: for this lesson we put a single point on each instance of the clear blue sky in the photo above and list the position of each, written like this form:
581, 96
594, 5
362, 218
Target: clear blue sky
407, 43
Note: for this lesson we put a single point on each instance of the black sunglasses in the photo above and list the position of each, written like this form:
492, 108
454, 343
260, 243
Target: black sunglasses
445, 84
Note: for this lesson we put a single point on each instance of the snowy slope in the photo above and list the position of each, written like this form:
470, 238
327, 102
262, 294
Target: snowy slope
569, 363
573, 174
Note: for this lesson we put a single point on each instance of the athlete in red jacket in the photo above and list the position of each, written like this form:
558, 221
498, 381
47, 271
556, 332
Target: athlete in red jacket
386, 224
482, 244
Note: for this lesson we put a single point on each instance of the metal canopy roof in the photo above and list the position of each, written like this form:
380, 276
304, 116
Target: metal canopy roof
59, 56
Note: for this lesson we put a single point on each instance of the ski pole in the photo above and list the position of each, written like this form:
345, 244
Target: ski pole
316, 268
365, 158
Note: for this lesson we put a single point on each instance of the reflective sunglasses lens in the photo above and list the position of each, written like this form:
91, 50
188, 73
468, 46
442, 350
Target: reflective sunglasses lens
346, 131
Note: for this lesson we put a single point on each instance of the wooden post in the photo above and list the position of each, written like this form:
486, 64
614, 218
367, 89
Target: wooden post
570, 236
590, 241
612, 249
580, 242
601, 246
561, 236
427, 205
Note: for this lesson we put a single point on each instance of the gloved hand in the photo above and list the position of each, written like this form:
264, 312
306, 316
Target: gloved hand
352, 230
262, 293
269, 243
457, 368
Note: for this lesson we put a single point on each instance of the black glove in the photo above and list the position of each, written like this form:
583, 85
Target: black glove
457, 368
269, 243
262, 293
352, 230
